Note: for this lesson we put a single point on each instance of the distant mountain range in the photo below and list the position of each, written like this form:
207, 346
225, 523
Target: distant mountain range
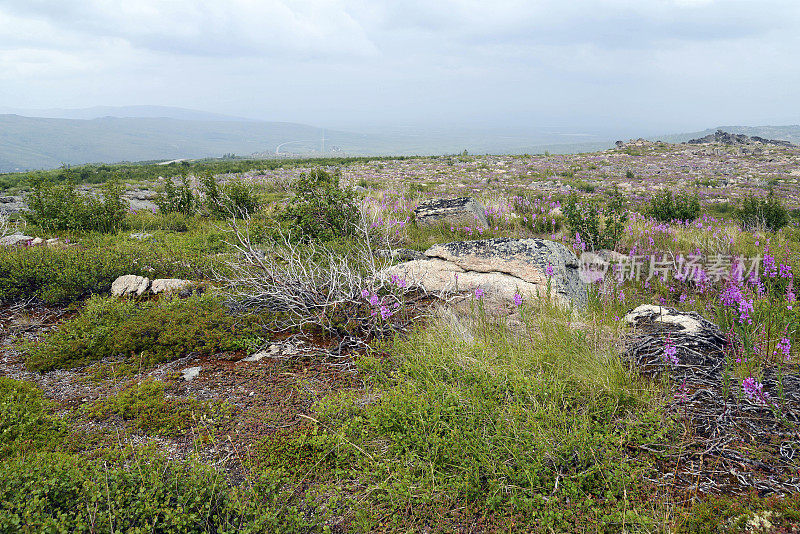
48, 138
147, 133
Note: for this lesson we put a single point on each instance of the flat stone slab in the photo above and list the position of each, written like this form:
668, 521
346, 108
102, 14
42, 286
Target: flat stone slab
463, 211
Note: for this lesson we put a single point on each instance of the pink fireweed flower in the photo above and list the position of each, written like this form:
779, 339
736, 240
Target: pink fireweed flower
478, 293
517, 300
754, 390
374, 300
745, 307
365, 293
549, 270
784, 347
791, 298
670, 351
769, 265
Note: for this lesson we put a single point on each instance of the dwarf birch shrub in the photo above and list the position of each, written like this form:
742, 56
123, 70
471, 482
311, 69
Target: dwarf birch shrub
59, 207
150, 332
321, 209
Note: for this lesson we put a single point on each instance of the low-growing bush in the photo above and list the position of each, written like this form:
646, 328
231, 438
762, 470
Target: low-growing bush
59, 207
61, 275
138, 492
26, 420
584, 220
147, 407
149, 332
233, 198
666, 207
767, 213
321, 209
179, 199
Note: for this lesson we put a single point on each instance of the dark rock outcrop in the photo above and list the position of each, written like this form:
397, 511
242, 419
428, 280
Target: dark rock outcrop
725, 138
462, 211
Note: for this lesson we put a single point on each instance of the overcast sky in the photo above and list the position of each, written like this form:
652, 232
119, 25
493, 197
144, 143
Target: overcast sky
639, 65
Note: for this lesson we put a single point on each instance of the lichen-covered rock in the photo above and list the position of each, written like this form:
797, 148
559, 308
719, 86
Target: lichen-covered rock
130, 284
171, 285
500, 268
462, 211
686, 323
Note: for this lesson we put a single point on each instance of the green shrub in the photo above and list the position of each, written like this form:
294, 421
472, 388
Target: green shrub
666, 207
61, 275
141, 493
26, 420
233, 198
179, 199
321, 209
59, 207
584, 219
150, 332
768, 213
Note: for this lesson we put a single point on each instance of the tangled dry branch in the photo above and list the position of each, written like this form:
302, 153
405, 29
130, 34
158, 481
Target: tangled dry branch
314, 287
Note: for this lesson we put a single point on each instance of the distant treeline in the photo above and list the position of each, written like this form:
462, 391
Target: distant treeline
148, 171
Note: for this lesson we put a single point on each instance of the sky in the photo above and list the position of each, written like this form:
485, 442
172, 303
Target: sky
648, 66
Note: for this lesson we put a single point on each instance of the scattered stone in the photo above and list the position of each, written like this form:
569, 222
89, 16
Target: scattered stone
463, 211
141, 236
171, 285
499, 268
52, 241
190, 373
37, 241
130, 284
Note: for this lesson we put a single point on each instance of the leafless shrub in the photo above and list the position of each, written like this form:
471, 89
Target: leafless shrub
314, 287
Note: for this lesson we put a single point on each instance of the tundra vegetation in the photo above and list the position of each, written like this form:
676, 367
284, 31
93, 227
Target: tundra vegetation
301, 392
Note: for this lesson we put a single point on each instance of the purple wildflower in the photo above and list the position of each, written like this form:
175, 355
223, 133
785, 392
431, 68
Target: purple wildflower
478, 293
365, 293
784, 347
517, 299
549, 270
754, 390
670, 351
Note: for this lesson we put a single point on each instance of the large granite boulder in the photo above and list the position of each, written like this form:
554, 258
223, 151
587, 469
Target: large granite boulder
172, 285
130, 284
500, 268
462, 211
15, 240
